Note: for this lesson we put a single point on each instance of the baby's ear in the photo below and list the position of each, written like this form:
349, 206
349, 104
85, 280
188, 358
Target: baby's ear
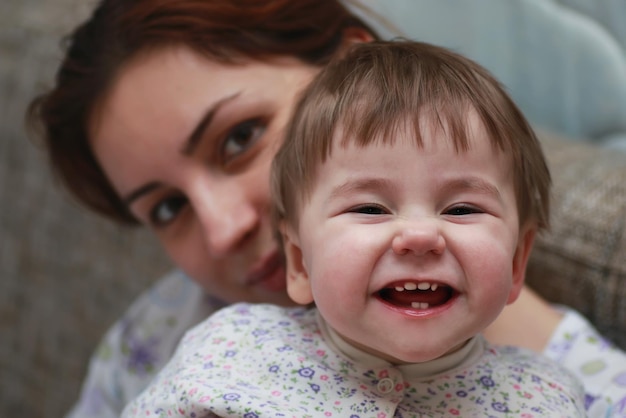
298, 283
520, 259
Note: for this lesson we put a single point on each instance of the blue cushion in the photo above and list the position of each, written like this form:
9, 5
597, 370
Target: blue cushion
564, 69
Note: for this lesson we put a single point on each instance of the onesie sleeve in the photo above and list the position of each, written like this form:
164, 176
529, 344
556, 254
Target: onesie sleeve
139, 344
596, 362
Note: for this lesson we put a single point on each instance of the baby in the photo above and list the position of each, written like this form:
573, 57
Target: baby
407, 196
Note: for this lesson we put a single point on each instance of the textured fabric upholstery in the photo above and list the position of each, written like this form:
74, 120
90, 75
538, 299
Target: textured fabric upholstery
581, 262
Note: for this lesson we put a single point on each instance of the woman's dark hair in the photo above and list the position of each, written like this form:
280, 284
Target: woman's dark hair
228, 31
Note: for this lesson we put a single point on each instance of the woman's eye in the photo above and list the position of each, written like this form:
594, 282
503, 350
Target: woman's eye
461, 210
241, 137
166, 211
369, 210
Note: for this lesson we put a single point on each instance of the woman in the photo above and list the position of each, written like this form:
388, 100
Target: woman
167, 114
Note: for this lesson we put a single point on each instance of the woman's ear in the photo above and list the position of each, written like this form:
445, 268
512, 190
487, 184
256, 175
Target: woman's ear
298, 283
520, 260
354, 35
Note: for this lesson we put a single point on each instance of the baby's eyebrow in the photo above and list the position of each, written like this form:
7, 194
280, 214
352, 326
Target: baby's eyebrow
361, 185
457, 185
472, 184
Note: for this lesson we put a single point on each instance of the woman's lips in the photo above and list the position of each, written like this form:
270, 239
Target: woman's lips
269, 273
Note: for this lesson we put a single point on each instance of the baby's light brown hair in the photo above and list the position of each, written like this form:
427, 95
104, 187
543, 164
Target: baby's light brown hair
380, 87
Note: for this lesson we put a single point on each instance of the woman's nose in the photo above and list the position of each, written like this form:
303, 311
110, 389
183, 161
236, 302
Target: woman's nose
227, 217
418, 237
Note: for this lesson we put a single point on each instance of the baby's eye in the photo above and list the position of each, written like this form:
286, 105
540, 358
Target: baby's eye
370, 209
166, 211
460, 210
241, 137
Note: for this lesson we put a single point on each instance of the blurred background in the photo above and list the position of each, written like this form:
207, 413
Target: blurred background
66, 275
57, 296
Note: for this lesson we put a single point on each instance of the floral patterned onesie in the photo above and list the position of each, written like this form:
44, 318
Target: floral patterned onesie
139, 344
264, 360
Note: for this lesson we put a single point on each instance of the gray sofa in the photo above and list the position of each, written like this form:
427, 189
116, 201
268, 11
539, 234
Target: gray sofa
65, 275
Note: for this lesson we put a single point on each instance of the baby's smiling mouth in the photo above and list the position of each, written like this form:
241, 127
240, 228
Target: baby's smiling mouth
416, 295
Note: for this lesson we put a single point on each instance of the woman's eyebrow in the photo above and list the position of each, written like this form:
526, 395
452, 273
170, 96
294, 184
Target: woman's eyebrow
188, 147
193, 139
139, 192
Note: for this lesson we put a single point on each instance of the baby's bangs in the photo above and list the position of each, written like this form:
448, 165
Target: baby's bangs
370, 115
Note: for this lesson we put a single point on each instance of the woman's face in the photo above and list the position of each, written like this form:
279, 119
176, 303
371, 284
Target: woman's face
187, 143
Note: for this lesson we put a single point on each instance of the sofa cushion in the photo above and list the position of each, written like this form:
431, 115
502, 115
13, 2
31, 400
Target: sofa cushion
581, 261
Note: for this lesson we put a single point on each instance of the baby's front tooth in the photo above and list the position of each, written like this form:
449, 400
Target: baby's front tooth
423, 286
410, 286
424, 305
399, 289
433, 287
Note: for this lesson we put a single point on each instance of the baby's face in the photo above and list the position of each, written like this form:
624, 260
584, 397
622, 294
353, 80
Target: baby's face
408, 252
